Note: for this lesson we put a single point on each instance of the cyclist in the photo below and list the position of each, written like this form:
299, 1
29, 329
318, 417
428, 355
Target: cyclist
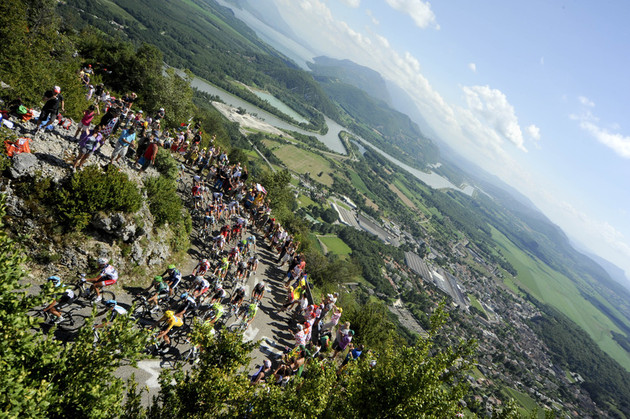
60, 301
249, 315
238, 297
172, 277
171, 320
199, 287
251, 242
252, 264
259, 291
218, 294
217, 312
189, 303
235, 255
241, 269
208, 219
115, 310
107, 276
219, 243
222, 268
162, 290
202, 268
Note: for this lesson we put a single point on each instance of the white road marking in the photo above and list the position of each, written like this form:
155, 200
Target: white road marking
153, 368
250, 333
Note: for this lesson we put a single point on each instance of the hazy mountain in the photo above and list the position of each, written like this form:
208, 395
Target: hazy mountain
351, 73
401, 101
613, 270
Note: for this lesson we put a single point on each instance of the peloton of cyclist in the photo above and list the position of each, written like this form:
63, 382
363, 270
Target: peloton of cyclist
107, 276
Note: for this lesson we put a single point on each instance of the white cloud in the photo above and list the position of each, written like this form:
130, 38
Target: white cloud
534, 132
492, 106
352, 3
619, 143
472, 67
371, 15
418, 10
586, 102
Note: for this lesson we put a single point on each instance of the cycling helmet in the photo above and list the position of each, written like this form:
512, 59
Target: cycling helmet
55, 280
102, 261
157, 278
204, 260
196, 178
169, 314
218, 287
110, 303
171, 267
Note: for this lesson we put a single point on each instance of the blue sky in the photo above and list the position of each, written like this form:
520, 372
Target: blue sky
535, 92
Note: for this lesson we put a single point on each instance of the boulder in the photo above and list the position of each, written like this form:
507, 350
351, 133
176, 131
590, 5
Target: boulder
23, 165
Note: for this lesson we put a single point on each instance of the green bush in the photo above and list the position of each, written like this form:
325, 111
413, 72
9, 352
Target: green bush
166, 164
164, 203
91, 191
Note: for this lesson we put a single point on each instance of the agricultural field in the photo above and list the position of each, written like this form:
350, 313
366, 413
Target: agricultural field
302, 161
557, 290
335, 245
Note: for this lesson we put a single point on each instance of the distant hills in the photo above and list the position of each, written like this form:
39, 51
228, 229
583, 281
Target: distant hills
349, 72
362, 93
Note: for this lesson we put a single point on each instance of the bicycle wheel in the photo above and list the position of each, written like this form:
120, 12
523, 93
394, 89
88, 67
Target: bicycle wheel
107, 295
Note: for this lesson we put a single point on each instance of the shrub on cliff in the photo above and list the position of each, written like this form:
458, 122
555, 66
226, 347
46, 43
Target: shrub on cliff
91, 191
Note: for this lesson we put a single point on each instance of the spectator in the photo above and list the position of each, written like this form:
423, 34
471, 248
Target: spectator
149, 155
49, 112
127, 137
84, 125
87, 146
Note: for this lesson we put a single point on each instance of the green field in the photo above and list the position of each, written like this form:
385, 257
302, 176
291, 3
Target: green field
474, 302
528, 405
302, 161
335, 245
557, 290
305, 201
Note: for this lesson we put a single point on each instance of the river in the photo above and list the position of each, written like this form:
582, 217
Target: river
331, 139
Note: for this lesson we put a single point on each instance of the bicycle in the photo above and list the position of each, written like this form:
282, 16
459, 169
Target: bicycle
83, 290
69, 320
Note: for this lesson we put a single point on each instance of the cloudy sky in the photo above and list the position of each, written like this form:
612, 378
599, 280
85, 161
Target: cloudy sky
535, 92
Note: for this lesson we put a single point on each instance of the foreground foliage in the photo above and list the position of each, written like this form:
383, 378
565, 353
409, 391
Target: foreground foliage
44, 377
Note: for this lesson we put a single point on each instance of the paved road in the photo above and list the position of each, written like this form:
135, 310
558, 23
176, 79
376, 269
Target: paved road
269, 326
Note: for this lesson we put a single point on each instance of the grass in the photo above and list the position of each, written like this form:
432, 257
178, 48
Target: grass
528, 405
315, 241
305, 201
335, 245
302, 161
557, 290
475, 303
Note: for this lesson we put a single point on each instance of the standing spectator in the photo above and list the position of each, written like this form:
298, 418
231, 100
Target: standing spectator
87, 146
49, 112
109, 121
84, 125
90, 92
127, 137
341, 344
149, 155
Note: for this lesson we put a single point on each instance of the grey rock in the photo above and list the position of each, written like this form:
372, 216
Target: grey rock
23, 165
